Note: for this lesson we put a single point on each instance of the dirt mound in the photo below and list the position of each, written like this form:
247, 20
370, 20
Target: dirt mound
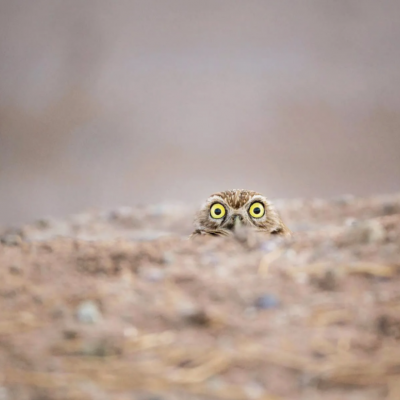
122, 305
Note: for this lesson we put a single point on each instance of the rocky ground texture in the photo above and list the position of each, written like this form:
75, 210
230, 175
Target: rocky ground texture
122, 305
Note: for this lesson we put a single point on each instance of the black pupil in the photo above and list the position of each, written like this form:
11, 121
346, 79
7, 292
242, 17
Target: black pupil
257, 210
218, 211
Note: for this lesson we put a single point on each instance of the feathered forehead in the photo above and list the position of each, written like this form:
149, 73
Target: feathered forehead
236, 198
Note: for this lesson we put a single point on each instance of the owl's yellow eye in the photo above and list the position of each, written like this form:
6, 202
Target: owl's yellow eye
217, 211
257, 210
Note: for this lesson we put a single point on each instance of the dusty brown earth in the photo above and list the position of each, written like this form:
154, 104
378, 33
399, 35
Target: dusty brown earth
121, 305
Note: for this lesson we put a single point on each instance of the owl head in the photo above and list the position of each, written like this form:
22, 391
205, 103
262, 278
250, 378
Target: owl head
224, 212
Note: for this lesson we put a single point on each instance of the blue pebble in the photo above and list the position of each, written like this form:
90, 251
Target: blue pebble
266, 301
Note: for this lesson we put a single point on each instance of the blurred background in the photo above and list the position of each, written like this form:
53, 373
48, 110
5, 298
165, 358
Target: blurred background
108, 103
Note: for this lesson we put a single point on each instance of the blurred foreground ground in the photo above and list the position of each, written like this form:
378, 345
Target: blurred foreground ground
122, 305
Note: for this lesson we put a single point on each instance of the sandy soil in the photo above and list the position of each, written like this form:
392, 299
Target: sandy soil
120, 304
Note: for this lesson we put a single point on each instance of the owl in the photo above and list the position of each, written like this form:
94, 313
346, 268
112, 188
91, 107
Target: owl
224, 212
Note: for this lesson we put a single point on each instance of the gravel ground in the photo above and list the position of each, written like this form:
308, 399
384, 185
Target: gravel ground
122, 305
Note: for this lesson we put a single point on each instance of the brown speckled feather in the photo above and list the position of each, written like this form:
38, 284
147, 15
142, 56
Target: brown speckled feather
236, 198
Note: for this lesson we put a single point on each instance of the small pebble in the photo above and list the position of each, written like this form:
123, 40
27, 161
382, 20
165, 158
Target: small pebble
88, 312
390, 208
15, 269
131, 331
350, 222
152, 274
193, 315
11, 239
70, 334
58, 312
43, 223
266, 301
254, 390
326, 281
99, 348
343, 200
122, 212
376, 232
366, 232
168, 257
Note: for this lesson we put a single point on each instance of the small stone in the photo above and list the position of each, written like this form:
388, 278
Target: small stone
326, 281
43, 223
100, 348
376, 232
254, 390
366, 232
350, 222
199, 318
88, 312
15, 269
11, 239
122, 212
390, 208
388, 325
70, 334
343, 200
266, 301
131, 331
168, 257
194, 315
152, 274
58, 312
